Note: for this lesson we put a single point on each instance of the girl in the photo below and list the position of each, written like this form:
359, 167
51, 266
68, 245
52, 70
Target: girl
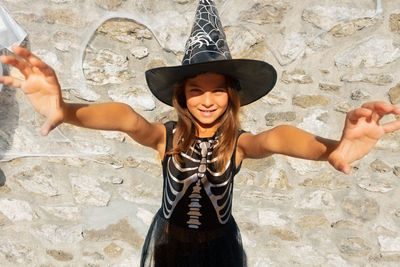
201, 152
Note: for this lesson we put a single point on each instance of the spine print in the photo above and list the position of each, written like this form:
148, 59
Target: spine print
194, 206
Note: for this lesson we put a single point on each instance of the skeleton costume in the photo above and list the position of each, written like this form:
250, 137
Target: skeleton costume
194, 226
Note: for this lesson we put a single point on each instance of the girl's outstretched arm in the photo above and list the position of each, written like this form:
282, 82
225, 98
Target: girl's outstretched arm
43, 91
360, 134
116, 116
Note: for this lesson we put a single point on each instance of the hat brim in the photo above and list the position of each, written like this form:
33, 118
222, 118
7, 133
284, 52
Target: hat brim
256, 78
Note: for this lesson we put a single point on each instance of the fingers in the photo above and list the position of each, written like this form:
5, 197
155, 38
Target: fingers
340, 165
28, 63
44, 131
378, 109
356, 114
47, 126
11, 81
23, 53
33, 60
382, 108
345, 168
391, 126
24, 67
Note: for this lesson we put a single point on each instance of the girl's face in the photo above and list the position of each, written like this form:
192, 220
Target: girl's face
207, 98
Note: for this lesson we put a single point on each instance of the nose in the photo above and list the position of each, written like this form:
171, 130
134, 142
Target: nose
207, 99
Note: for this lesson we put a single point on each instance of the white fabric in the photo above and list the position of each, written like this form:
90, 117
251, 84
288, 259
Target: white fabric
10, 31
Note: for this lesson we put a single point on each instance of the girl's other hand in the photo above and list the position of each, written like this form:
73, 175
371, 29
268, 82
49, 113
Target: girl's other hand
40, 86
361, 132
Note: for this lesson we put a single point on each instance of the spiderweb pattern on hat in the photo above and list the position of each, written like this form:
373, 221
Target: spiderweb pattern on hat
207, 31
206, 50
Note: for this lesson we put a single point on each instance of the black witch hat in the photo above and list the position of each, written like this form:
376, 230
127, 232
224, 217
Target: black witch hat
207, 50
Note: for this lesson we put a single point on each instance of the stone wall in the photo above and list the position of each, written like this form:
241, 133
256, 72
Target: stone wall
86, 198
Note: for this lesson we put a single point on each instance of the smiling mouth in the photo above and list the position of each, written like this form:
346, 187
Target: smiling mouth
207, 111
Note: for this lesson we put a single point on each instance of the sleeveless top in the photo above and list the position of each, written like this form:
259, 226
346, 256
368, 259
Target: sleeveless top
195, 195
194, 226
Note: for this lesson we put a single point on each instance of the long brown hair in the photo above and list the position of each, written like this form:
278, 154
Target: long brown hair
185, 133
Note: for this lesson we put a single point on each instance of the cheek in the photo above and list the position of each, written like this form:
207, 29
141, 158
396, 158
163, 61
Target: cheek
191, 102
223, 101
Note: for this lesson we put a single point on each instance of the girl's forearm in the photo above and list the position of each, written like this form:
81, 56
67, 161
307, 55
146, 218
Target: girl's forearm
103, 116
327, 146
292, 141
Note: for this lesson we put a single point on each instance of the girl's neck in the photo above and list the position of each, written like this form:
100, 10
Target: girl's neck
204, 132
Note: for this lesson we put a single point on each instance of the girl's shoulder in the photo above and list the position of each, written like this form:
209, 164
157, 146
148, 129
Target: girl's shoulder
170, 126
170, 123
170, 129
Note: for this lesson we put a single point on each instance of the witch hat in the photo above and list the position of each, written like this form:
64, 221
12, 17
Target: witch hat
207, 50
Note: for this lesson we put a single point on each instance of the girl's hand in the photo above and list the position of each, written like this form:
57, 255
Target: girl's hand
361, 132
40, 86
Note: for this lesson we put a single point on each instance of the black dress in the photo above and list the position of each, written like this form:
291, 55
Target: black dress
194, 226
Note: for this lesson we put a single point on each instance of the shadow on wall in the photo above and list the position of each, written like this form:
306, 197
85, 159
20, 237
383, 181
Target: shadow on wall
2, 178
9, 114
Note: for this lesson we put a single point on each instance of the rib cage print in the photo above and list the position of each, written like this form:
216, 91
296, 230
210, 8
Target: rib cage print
197, 180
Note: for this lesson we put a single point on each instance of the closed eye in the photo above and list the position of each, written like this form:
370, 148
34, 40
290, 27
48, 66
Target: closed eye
195, 91
219, 90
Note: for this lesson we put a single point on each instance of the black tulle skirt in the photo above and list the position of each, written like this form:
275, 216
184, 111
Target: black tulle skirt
170, 245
